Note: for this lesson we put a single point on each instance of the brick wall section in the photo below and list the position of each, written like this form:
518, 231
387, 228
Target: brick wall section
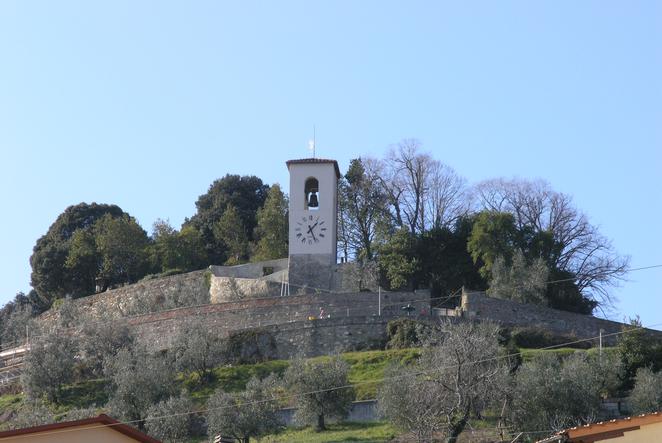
511, 313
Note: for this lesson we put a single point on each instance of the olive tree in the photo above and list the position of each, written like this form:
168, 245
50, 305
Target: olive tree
554, 393
321, 389
171, 420
138, 380
250, 413
101, 338
49, 366
647, 393
521, 281
459, 375
197, 349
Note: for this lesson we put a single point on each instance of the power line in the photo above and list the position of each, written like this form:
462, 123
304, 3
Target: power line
368, 303
352, 385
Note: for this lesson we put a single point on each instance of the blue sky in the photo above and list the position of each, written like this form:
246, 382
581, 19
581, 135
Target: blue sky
144, 104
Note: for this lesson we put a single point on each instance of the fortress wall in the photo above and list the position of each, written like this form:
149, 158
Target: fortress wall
249, 270
514, 314
189, 288
158, 329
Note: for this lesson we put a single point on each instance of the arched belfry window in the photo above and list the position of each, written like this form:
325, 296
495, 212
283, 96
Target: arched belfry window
311, 191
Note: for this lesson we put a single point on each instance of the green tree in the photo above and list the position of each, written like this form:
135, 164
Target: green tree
638, 349
272, 226
573, 245
51, 278
551, 393
183, 250
646, 396
197, 349
246, 193
363, 207
230, 231
49, 366
121, 244
138, 381
493, 235
398, 260
521, 281
247, 414
445, 264
171, 420
321, 390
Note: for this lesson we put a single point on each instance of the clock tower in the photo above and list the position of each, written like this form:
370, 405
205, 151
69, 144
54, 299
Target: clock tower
312, 222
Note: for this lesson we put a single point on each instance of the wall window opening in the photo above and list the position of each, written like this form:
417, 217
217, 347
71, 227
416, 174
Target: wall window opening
311, 191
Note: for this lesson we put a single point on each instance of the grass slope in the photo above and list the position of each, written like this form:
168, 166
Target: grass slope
337, 432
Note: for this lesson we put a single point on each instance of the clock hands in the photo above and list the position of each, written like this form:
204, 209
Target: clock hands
310, 231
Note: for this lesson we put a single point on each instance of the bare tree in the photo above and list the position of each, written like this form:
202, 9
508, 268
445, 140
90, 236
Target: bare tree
422, 192
579, 247
447, 198
406, 179
452, 380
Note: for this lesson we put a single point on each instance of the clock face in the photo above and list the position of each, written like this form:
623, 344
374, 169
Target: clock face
310, 229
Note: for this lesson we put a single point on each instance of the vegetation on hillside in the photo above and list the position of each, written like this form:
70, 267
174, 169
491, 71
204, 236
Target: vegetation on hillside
412, 216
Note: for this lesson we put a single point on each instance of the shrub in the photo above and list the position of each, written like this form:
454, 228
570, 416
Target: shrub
251, 346
540, 338
406, 333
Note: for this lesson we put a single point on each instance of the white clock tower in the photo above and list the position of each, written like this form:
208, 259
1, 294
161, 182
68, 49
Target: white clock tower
312, 222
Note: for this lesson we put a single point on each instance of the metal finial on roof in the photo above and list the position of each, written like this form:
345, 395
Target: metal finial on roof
311, 143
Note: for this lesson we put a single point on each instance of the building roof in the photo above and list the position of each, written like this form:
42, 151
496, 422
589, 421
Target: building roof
101, 421
314, 160
604, 429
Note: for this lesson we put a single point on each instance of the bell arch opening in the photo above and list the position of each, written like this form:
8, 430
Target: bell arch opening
311, 192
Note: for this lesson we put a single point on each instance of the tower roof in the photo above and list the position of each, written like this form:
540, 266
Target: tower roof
314, 160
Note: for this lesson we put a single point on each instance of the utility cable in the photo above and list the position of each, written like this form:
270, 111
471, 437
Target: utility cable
351, 385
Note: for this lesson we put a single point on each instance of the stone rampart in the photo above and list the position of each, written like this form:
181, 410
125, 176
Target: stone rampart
226, 289
158, 329
250, 270
476, 305
187, 289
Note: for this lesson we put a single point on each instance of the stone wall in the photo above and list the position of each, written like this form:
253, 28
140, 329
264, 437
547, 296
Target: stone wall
227, 289
249, 270
476, 305
158, 329
360, 411
191, 288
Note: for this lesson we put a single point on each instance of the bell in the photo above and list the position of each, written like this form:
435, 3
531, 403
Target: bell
312, 200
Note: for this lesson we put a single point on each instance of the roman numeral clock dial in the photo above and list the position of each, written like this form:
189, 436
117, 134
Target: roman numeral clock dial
310, 230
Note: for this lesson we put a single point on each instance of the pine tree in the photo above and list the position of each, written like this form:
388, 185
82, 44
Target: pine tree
271, 230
